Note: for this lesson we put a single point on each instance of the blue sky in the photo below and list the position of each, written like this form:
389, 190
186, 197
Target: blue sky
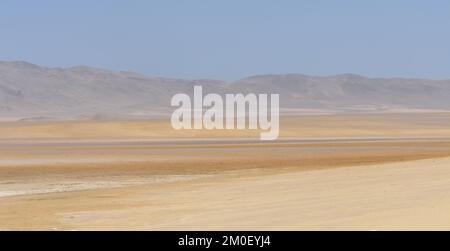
231, 39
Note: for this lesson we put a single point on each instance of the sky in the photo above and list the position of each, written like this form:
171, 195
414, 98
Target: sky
232, 39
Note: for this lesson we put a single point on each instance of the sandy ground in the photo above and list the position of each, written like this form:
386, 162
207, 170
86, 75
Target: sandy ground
406, 195
375, 178
308, 126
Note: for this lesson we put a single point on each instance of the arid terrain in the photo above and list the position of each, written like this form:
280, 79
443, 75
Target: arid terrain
358, 171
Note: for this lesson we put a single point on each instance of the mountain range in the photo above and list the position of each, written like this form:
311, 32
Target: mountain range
32, 92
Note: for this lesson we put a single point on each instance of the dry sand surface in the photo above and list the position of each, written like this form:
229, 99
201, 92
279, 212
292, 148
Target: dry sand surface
388, 171
308, 126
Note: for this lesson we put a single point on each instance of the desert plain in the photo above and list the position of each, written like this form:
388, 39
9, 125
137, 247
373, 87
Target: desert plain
325, 172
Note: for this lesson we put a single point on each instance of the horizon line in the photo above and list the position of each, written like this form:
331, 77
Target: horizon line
24, 62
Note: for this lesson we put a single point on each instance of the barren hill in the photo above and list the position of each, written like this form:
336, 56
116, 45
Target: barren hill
32, 92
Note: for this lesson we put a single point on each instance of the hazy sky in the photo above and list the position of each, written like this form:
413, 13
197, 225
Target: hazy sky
232, 39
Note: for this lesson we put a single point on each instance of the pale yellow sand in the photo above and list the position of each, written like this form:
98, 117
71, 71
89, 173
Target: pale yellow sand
328, 172
349, 125
405, 195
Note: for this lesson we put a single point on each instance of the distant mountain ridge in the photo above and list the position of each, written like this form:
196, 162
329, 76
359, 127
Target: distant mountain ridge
30, 91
